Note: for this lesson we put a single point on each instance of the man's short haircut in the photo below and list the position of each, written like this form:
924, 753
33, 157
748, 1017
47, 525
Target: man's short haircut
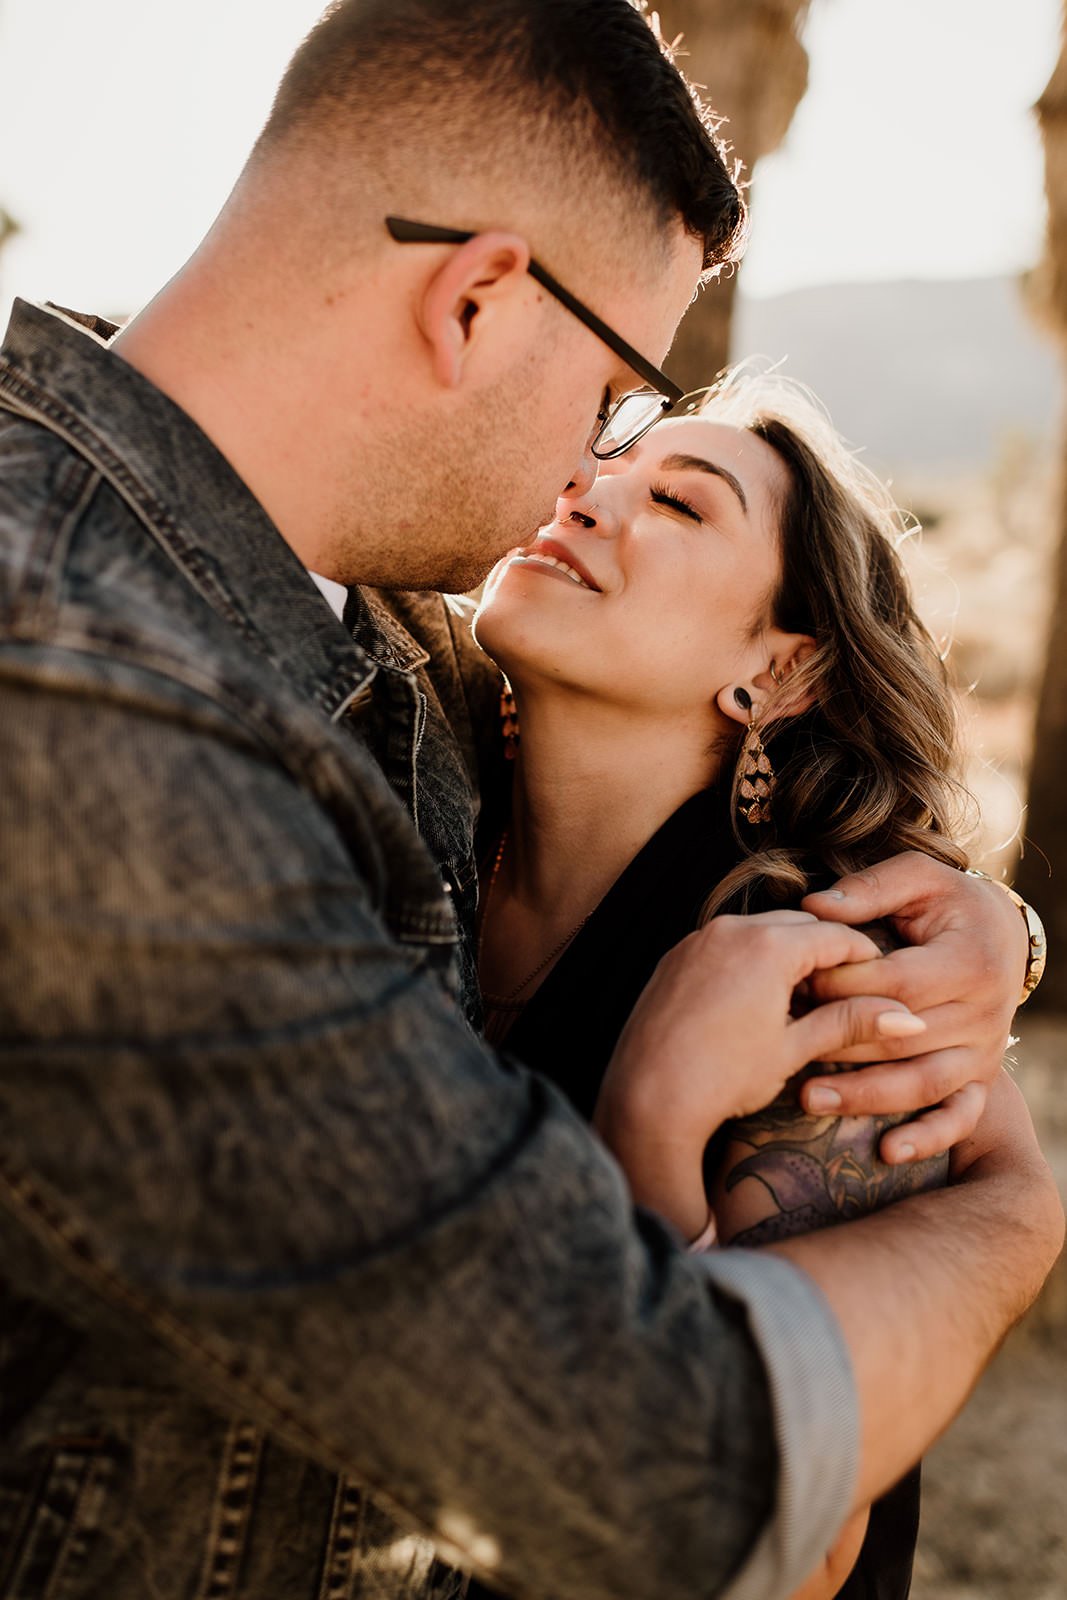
589, 77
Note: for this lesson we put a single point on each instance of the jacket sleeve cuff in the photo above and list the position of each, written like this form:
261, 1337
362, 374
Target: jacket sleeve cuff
816, 1417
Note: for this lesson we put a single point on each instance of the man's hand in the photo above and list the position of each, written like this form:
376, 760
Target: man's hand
961, 970
924, 1291
712, 1037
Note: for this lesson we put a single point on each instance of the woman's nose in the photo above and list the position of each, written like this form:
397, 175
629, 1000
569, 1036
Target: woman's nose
588, 512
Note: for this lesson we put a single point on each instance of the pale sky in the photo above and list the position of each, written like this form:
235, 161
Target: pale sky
914, 153
123, 124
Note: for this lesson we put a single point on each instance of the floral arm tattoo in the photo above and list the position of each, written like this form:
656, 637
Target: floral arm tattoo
784, 1172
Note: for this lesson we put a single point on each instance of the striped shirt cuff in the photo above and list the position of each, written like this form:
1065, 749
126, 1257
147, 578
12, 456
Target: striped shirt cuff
816, 1413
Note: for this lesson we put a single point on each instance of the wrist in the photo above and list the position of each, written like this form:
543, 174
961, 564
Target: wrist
1036, 941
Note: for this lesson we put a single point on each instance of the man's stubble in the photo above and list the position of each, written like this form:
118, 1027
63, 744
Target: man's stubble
436, 508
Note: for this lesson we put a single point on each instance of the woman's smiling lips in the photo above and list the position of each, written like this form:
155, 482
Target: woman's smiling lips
557, 561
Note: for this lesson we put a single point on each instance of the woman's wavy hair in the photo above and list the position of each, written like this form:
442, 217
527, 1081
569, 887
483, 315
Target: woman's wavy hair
873, 767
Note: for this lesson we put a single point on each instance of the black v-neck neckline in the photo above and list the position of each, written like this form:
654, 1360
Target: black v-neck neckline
568, 1030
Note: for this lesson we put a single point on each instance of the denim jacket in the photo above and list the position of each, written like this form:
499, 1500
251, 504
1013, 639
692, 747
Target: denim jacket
303, 1292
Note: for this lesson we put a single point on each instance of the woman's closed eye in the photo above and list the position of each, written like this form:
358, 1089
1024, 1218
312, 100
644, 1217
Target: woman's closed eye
662, 496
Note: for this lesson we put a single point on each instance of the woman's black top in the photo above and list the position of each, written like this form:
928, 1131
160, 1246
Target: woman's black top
568, 1031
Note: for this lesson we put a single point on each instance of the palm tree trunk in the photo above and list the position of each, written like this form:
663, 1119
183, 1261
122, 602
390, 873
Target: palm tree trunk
748, 59
1042, 874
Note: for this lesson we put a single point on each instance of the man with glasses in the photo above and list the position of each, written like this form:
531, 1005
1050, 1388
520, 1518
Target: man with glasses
303, 1290
621, 423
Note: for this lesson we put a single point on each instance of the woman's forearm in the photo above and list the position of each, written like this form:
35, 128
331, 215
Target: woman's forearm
784, 1173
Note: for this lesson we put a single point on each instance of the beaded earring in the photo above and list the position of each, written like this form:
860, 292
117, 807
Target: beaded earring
509, 723
757, 778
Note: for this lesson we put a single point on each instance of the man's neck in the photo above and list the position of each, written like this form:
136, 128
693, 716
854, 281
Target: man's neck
217, 375
273, 385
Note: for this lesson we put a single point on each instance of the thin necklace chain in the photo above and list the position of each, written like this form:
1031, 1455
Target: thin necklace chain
511, 1001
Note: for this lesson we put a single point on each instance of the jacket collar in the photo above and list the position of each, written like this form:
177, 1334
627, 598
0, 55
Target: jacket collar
57, 369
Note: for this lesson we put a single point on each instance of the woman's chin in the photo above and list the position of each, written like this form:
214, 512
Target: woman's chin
493, 635
512, 637
493, 628
521, 621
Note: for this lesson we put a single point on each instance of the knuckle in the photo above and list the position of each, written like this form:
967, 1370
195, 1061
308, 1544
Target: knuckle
763, 940
865, 1097
883, 1091
938, 1082
923, 1139
859, 1085
968, 1104
930, 1142
857, 1021
925, 870
978, 1094
938, 1126
896, 1050
829, 987
899, 1094
718, 937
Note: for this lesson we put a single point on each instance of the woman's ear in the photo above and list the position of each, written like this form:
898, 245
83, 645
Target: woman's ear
791, 652
466, 284
768, 692
741, 702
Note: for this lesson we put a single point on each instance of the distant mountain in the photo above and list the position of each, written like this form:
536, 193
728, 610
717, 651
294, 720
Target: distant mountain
924, 375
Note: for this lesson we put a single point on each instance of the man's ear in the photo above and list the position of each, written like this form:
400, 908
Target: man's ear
468, 283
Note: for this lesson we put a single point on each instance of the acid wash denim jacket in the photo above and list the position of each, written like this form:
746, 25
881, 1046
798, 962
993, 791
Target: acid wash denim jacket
305, 1294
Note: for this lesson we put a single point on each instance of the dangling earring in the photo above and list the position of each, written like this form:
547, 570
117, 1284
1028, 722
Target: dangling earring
757, 778
509, 722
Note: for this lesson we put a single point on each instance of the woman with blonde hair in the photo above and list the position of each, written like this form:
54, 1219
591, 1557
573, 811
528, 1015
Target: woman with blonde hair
723, 699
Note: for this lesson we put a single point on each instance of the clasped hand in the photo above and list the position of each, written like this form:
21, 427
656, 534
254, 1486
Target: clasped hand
714, 1035
960, 968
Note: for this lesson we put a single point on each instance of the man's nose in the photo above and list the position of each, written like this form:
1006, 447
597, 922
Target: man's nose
584, 477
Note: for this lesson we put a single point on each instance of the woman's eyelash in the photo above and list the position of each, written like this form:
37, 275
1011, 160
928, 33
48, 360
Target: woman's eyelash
664, 497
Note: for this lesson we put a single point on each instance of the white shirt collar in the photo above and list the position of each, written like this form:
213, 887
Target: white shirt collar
335, 594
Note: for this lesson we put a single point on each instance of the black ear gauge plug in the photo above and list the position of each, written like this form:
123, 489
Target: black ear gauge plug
743, 698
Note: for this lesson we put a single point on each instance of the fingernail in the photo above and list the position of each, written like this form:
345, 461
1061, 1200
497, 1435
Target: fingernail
826, 894
823, 1099
903, 1152
898, 1025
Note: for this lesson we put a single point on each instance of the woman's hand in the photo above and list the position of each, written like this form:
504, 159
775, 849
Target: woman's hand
961, 970
712, 1037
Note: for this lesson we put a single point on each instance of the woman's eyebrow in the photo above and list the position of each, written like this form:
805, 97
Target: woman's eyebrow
685, 463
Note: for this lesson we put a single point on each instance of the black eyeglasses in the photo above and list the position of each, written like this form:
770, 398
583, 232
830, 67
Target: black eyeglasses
630, 418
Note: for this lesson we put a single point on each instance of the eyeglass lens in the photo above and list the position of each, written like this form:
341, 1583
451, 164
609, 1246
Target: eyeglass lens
630, 418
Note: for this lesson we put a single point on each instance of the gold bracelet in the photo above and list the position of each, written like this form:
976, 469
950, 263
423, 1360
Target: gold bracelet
1037, 951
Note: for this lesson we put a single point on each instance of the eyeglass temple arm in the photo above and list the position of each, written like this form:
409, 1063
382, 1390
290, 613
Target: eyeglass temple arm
425, 233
